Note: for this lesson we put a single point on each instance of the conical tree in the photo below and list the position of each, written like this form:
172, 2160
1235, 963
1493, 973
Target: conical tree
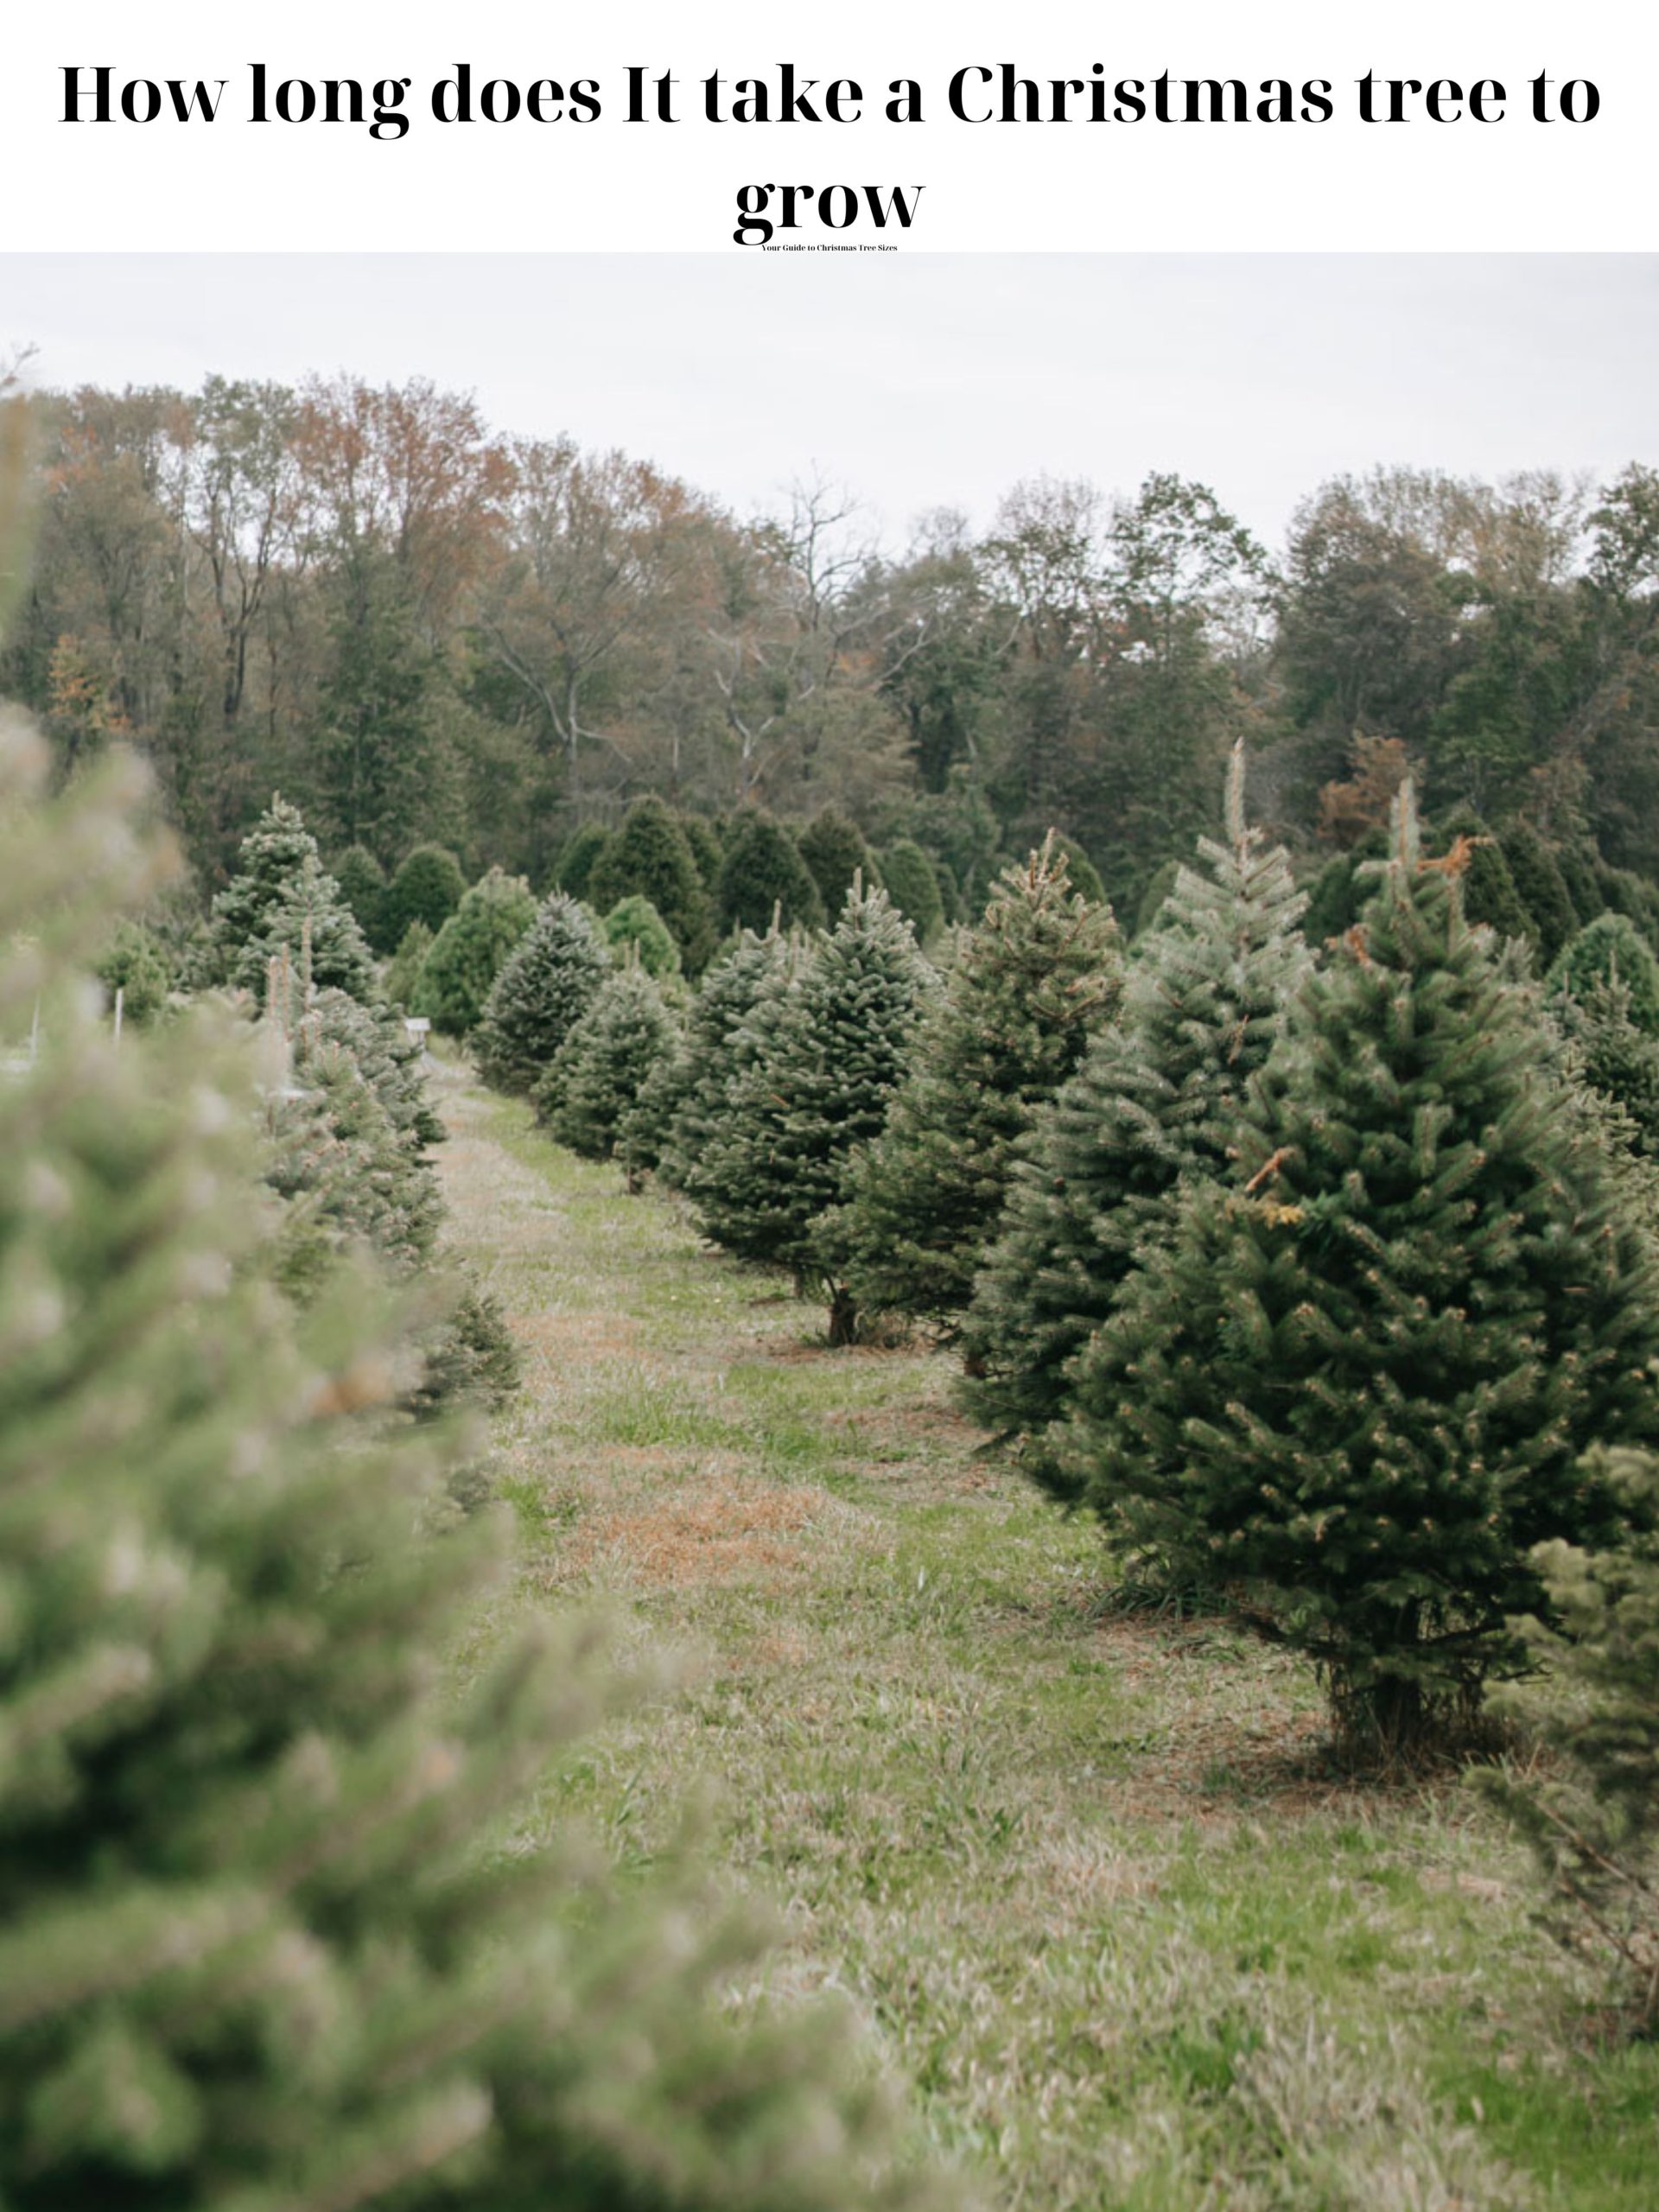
1152, 1102
598, 1072
762, 876
717, 1045
635, 930
259, 1944
427, 888
818, 1088
1354, 1385
550, 979
362, 883
311, 924
470, 951
1032, 982
1540, 886
269, 861
1610, 949
650, 858
833, 847
913, 887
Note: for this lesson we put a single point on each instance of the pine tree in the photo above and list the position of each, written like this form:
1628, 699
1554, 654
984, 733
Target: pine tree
706, 849
1610, 949
818, 1086
580, 850
470, 951
598, 1072
134, 963
1152, 1102
648, 857
1038, 976
310, 923
833, 847
549, 979
1540, 886
715, 1051
1352, 1387
1490, 896
427, 888
763, 877
403, 974
259, 1943
913, 887
269, 861
362, 883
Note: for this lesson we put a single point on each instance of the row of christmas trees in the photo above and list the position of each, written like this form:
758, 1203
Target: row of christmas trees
1316, 1273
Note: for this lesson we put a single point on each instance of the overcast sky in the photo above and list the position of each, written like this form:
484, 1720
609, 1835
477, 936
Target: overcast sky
920, 380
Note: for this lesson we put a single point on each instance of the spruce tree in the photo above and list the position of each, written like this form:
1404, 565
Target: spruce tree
1352, 1385
134, 963
818, 1086
1038, 976
763, 877
470, 951
635, 930
311, 924
260, 1943
649, 857
706, 849
269, 862
549, 982
1490, 896
362, 883
1152, 1102
404, 969
1540, 886
1609, 949
597, 1074
580, 850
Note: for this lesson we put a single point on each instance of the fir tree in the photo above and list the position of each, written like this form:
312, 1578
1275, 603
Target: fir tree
706, 849
577, 855
470, 951
362, 883
549, 982
1592, 1818
763, 877
259, 1943
427, 888
691, 1095
817, 1088
1038, 976
1086, 876
269, 861
634, 929
311, 924
135, 964
1540, 886
833, 847
1609, 949
1490, 896
1152, 1102
403, 973
1353, 1386
648, 857
598, 1072
913, 889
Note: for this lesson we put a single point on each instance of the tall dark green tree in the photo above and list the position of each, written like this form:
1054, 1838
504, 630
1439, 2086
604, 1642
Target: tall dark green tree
721, 1042
471, 950
1352, 1385
819, 1087
650, 858
913, 887
427, 888
373, 754
833, 847
762, 875
1152, 1103
596, 1078
1041, 973
548, 983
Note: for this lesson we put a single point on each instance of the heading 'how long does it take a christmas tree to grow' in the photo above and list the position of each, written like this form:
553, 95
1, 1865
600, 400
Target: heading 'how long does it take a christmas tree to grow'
977, 93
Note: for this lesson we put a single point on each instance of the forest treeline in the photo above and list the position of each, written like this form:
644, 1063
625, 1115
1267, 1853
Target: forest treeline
426, 632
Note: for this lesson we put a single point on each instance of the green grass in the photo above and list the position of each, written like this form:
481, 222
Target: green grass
1086, 1873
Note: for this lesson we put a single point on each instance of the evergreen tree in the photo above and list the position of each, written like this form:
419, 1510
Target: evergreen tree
310, 926
549, 982
825, 1066
1152, 1102
404, 969
649, 858
1086, 876
581, 850
259, 1944
135, 964
691, 1094
470, 951
269, 861
913, 889
362, 883
1608, 949
597, 1074
634, 929
1352, 1385
762, 876
1490, 896
1616, 1056
706, 849
1593, 1816
833, 847
1540, 886
427, 888
1039, 975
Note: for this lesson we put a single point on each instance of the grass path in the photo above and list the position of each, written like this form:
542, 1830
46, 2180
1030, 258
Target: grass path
1085, 1876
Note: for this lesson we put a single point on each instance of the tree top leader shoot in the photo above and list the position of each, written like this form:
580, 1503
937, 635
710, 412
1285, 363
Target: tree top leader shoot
984, 94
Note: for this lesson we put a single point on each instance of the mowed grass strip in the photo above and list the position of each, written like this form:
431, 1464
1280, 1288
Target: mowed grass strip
1087, 1874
